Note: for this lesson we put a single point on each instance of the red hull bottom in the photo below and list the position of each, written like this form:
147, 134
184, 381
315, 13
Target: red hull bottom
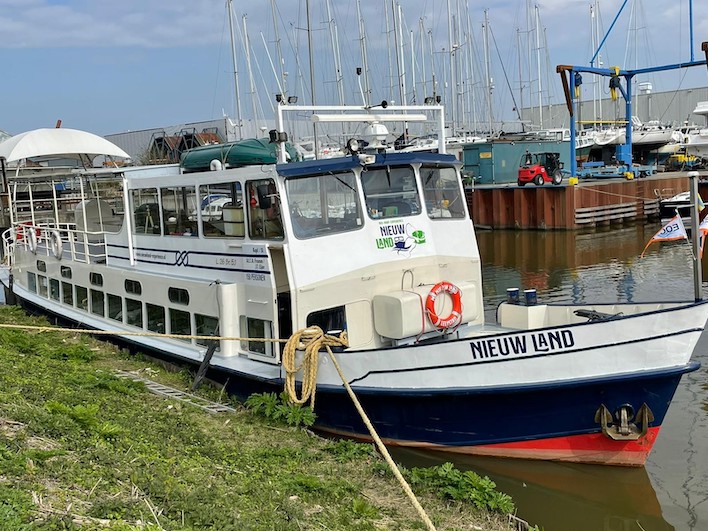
594, 448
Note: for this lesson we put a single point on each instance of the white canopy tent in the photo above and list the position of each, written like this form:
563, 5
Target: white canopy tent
57, 142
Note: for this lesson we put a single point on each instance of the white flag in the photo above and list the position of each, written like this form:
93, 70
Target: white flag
673, 230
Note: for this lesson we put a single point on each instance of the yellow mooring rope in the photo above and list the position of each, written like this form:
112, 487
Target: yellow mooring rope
311, 340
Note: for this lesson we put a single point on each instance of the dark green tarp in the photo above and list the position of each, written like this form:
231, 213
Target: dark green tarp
233, 154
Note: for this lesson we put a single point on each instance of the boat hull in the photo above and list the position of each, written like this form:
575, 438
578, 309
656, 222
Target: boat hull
548, 422
551, 417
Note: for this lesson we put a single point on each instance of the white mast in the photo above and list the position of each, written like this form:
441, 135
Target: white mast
250, 74
334, 37
488, 76
239, 121
538, 67
364, 57
453, 80
279, 51
389, 48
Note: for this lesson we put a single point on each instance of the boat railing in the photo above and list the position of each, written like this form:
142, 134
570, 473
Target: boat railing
58, 240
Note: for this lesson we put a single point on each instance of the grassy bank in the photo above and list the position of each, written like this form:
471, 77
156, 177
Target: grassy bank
83, 449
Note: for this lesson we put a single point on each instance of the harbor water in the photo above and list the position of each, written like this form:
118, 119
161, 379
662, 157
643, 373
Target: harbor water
671, 491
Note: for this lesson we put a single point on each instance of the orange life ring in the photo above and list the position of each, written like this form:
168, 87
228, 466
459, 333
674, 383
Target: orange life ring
455, 316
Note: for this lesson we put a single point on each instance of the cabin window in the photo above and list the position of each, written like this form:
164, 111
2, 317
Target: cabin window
323, 204
115, 307
155, 318
264, 210
32, 282
96, 279
146, 211
331, 320
65, 272
257, 328
81, 298
178, 295
442, 193
54, 289
133, 286
390, 192
221, 209
97, 302
67, 293
180, 322
41, 266
42, 281
179, 208
134, 313
205, 326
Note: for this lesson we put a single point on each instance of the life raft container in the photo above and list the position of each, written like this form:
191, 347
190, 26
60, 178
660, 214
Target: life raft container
455, 317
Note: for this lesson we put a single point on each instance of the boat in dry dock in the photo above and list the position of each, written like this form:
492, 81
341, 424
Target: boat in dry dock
376, 249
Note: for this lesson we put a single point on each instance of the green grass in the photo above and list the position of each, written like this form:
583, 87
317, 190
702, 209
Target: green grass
83, 449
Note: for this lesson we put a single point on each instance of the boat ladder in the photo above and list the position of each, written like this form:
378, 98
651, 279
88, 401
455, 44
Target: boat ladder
176, 394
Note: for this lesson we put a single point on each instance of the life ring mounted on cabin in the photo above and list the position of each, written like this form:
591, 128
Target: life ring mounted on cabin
56, 245
455, 317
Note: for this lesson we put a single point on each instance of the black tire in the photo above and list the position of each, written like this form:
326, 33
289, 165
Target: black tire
557, 177
538, 180
521, 183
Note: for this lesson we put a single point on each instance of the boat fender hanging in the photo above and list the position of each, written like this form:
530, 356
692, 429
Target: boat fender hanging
452, 320
31, 239
56, 245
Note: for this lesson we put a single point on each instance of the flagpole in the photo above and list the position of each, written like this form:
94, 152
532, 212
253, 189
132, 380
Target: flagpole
697, 279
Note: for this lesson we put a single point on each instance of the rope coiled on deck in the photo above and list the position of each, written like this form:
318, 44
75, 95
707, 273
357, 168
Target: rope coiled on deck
310, 340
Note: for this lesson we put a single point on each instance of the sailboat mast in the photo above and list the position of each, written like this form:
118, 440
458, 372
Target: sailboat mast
364, 57
487, 73
538, 66
334, 38
279, 50
252, 84
453, 81
239, 121
312, 75
398, 36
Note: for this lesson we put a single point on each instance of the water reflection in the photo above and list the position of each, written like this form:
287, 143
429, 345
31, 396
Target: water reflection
671, 492
565, 496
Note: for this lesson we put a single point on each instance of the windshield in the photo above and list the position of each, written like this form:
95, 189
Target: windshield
390, 192
441, 189
323, 204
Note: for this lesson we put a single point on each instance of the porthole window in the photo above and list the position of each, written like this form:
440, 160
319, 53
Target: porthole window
65, 272
96, 279
41, 265
178, 295
133, 286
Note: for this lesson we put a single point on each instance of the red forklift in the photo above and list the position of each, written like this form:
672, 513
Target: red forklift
539, 168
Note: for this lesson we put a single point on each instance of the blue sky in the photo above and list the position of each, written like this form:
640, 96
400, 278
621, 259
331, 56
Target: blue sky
113, 66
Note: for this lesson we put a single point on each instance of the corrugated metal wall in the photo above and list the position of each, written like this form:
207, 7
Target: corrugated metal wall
673, 107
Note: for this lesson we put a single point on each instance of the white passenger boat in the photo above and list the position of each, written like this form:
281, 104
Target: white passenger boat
379, 245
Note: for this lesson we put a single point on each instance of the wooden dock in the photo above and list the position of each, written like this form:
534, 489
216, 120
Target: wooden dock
590, 203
